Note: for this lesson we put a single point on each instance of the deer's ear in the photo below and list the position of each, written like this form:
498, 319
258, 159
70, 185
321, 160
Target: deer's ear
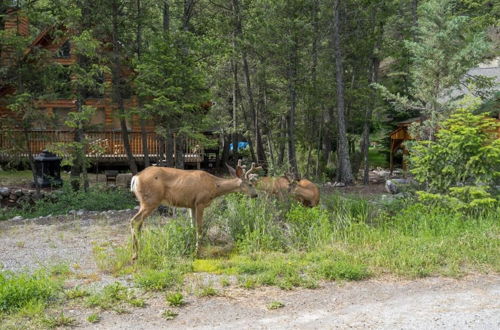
231, 170
239, 172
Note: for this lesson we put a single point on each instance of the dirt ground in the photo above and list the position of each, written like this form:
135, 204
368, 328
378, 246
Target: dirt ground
472, 302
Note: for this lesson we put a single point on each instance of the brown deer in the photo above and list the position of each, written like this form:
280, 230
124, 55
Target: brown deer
193, 189
303, 190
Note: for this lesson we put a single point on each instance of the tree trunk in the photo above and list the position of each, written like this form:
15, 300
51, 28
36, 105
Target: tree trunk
344, 163
117, 81
31, 160
238, 32
292, 80
144, 134
166, 16
169, 150
369, 110
234, 137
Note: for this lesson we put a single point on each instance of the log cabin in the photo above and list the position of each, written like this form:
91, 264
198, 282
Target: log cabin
106, 132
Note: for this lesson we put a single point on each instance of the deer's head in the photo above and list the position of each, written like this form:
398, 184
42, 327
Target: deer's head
247, 178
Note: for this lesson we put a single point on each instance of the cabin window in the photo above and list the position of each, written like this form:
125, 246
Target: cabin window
64, 51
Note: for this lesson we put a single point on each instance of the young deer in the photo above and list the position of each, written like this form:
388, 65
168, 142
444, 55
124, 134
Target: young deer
193, 189
303, 190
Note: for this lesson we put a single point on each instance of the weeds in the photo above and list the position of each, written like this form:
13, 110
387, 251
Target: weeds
76, 293
60, 320
112, 297
207, 291
169, 315
275, 305
175, 299
93, 318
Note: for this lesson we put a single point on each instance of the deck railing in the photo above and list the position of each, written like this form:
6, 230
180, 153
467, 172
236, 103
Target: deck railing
102, 144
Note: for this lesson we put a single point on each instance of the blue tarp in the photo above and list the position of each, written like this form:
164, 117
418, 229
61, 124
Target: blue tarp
241, 145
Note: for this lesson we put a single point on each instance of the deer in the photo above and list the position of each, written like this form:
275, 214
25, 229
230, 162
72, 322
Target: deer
192, 189
304, 191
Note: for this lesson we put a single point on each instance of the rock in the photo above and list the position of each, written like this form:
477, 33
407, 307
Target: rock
391, 187
4, 191
18, 192
339, 184
72, 212
17, 218
123, 179
13, 197
80, 213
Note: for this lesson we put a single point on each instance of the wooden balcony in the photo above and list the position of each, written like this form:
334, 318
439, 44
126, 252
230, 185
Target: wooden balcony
103, 145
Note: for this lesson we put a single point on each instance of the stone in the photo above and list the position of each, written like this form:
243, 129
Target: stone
72, 212
19, 192
17, 218
80, 213
391, 187
4, 191
13, 197
123, 180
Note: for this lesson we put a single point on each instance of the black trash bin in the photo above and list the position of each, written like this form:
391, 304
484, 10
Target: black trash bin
48, 169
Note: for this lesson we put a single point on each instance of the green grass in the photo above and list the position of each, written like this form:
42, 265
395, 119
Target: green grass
20, 290
157, 280
348, 238
10, 178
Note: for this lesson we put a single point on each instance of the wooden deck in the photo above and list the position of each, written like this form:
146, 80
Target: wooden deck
104, 145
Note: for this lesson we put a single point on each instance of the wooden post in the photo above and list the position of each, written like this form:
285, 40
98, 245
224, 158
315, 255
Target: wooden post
391, 156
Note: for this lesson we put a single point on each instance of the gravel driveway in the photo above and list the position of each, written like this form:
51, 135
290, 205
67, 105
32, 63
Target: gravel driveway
472, 302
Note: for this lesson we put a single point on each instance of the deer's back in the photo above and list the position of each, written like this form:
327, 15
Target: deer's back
173, 187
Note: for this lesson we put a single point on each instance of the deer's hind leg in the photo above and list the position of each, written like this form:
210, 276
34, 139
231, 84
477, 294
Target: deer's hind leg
136, 227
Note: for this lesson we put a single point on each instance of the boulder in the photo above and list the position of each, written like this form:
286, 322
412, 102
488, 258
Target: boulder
4, 191
123, 179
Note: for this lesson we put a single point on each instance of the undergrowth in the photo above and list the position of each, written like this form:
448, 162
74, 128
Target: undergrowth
284, 244
97, 198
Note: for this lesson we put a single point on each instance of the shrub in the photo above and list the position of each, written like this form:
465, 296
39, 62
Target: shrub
466, 152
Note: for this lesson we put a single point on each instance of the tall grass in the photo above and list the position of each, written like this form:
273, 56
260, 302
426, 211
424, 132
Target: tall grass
284, 244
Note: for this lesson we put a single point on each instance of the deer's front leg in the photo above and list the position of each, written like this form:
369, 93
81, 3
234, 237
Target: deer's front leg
199, 225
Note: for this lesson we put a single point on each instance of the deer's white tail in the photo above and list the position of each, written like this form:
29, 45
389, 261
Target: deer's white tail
133, 183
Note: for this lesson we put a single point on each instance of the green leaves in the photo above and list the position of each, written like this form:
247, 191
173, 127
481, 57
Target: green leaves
466, 152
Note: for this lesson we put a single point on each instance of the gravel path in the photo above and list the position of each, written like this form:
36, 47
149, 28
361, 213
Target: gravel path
469, 303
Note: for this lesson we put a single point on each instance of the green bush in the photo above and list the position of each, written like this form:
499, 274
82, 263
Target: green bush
18, 290
466, 151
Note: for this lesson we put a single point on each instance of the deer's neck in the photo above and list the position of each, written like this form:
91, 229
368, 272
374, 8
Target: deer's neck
226, 186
